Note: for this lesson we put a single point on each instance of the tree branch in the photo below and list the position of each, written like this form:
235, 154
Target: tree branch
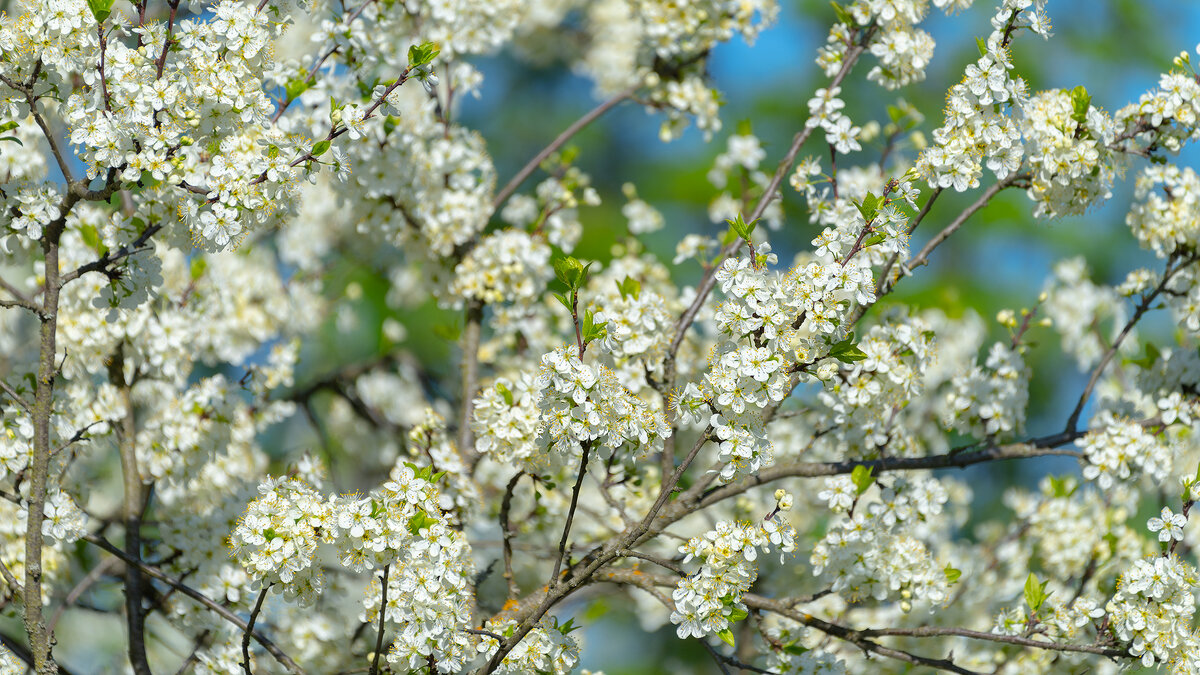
223, 612
562, 543
532, 165
382, 615
262, 596
709, 280
1142, 308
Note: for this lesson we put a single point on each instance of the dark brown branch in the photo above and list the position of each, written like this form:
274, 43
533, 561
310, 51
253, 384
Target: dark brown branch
220, 610
944, 631
506, 534
1037, 447
857, 638
102, 263
562, 543
262, 596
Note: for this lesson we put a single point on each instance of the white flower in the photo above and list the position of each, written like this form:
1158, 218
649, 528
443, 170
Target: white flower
1168, 525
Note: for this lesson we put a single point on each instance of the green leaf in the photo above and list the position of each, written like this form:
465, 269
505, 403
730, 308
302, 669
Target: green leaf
197, 267
590, 329
297, 86
422, 54
741, 227
8, 126
630, 287
419, 521
1062, 487
744, 128
1080, 101
843, 15
569, 154
91, 238
100, 9
569, 626
737, 614
952, 574
795, 649
868, 207
874, 240
847, 351
320, 148
570, 271
1035, 592
505, 392
981, 45
14, 139
862, 476
727, 636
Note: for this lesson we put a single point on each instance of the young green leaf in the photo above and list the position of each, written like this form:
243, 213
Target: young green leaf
570, 271
422, 54
952, 574
505, 393
1035, 592
629, 287
100, 9
419, 520
846, 351
862, 476
1080, 101
727, 636
741, 227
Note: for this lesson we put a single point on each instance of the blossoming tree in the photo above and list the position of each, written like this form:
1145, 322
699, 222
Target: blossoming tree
752, 458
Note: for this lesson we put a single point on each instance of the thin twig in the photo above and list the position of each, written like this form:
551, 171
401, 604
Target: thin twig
1142, 308
854, 637
532, 165
12, 581
943, 631
16, 397
709, 280
506, 533
80, 588
262, 596
562, 543
101, 264
382, 615
220, 610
